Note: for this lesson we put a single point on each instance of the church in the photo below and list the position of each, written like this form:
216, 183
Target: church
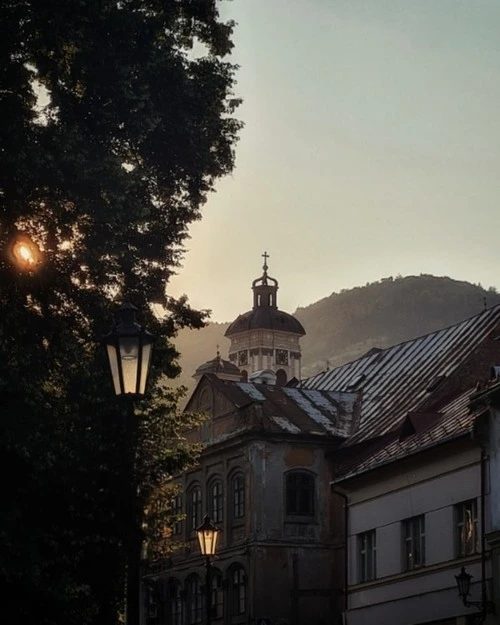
264, 480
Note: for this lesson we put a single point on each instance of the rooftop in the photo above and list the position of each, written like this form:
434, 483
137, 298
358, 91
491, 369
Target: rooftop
409, 376
292, 410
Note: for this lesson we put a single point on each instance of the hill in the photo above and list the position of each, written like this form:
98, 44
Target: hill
345, 325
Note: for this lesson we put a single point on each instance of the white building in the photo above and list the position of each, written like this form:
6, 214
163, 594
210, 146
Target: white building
411, 477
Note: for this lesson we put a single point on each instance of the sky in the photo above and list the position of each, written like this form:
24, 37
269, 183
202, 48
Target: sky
371, 148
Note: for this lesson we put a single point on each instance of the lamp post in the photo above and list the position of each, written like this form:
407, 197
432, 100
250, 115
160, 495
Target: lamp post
129, 348
463, 584
208, 534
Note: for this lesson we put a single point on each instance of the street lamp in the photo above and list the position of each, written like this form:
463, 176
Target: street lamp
24, 252
208, 534
463, 584
129, 347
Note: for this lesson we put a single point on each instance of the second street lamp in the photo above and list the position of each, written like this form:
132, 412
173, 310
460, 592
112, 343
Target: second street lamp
129, 348
208, 535
463, 584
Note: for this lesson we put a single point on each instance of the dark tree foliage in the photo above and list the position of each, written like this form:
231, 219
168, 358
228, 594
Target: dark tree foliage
116, 121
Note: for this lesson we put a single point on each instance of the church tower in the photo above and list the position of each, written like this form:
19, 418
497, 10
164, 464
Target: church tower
266, 337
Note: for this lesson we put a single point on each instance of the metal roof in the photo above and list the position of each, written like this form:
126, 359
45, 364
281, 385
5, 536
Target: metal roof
292, 410
400, 379
454, 420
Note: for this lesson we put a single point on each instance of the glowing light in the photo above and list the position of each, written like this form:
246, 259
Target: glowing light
25, 253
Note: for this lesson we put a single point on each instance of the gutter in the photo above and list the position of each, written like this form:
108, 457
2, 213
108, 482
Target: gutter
343, 494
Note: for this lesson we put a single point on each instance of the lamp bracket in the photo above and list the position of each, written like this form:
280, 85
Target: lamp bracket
487, 607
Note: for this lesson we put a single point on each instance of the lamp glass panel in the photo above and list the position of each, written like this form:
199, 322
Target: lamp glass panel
146, 360
129, 347
129, 373
113, 365
215, 538
463, 581
208, 541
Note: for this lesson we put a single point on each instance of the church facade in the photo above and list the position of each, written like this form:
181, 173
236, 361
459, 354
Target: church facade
263, 478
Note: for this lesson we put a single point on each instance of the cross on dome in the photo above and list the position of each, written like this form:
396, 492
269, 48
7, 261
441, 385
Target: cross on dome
265, 256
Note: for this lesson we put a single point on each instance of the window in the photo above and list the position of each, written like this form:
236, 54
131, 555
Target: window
414, 542
367, 551
467, 536
300, 493
238, 591
281, 357
195, 508
175, 596
194, 600
238, 496
176, 514
152, 611
217, 596
216, 502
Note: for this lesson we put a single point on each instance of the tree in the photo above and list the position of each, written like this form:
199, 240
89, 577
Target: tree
118, 120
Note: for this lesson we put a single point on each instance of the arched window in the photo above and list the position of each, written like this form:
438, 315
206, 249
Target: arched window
217, 595
175, 602
194, 512
238, 590
216, 502
300, 493
280, 377
193, 600
238, 495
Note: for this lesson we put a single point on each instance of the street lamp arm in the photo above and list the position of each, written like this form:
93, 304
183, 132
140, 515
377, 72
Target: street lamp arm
485, 607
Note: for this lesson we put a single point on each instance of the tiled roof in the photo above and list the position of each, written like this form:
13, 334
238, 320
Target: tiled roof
400, 379
292, 410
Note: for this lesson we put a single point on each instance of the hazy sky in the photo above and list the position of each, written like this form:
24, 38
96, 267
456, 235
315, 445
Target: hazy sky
371, 148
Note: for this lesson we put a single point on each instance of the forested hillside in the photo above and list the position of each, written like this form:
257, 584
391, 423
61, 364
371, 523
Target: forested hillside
345, 325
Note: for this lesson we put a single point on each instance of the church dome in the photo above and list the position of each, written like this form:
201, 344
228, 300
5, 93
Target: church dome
265, 313
265, 318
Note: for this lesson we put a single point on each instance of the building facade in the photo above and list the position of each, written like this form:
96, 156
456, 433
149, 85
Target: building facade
414, 478
264, 480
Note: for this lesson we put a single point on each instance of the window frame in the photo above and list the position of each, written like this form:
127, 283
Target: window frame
216, 494
195, 502
460, 512
238, 590
414, 542
176, 511
300, 497
238, 496
194, 600
176, 611
367, 556
216, 595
